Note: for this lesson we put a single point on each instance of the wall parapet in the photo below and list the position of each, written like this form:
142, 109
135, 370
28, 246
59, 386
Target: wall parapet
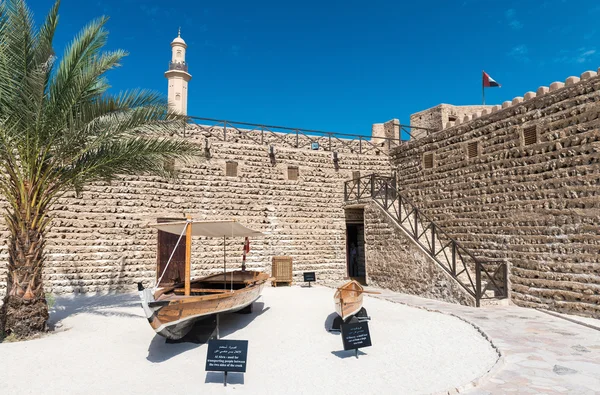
509, 108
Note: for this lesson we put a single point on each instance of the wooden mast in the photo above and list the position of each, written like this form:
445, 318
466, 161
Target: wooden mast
188, 254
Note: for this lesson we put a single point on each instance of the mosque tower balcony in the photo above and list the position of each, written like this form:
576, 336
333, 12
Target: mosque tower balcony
183, 66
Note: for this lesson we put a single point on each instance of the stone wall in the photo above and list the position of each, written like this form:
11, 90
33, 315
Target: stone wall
396, 262
529, 194
100, 242
430, 118
386, 136
442, 116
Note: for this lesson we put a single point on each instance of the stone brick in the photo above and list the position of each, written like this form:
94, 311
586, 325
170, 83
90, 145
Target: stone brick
571, 81
588, 74
529, 95
542, 90
556, 85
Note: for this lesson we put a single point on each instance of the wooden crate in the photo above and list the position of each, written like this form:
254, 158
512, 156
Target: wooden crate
281, 270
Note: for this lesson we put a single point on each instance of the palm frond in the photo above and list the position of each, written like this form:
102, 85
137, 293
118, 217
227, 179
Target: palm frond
108, 119
127, 156
43, 50
79, 54
60, 128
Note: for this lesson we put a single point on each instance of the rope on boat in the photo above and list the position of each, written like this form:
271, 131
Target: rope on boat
172, 253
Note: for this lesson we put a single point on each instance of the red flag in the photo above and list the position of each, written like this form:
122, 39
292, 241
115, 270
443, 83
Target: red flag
489, 82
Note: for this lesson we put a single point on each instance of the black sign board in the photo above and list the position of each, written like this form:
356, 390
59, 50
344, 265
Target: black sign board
309, 276
227, 355
356, 335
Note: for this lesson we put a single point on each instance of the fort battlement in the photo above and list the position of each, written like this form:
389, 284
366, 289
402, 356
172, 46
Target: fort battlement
541, 91
519, 183
442, 116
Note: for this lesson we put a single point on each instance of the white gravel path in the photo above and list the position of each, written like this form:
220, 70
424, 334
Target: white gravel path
106, 346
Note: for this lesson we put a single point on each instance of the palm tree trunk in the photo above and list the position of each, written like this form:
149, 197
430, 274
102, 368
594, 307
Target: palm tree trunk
25, 311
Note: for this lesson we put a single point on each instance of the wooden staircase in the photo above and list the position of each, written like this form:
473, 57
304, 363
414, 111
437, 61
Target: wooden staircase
486, 280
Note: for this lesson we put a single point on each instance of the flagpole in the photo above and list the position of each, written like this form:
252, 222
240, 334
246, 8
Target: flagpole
482, 90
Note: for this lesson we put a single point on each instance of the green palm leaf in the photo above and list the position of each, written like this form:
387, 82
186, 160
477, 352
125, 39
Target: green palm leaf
61, 129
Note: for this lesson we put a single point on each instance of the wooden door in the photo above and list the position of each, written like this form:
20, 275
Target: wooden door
166, 244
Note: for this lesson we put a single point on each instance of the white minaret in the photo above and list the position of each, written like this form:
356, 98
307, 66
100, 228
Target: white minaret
178, 76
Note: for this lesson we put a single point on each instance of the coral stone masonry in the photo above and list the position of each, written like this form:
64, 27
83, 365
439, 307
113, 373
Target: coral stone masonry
100, 242
531, 196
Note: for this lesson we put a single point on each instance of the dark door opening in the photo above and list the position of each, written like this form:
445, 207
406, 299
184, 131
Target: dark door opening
166, 244
355, 252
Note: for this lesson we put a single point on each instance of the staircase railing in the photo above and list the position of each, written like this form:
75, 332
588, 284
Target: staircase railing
491, 280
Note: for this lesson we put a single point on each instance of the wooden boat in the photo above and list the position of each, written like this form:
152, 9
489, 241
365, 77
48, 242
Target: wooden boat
172, 311
172, 314
348, 299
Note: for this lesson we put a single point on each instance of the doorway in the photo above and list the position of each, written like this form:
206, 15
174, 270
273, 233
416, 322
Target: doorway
166, 244
355, 245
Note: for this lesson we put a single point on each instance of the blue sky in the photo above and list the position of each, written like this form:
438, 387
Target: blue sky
342, 65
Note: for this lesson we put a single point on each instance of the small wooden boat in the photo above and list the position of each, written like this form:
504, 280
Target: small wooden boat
348, 299
172, 311
172, 314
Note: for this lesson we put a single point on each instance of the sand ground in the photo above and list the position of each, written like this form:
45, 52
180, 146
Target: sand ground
104, 345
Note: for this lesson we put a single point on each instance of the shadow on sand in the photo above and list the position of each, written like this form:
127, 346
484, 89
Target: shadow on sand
160, 351
343, 354
217, 377
329, 323
97, 304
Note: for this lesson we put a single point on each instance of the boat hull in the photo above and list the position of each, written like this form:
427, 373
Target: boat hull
173, 316
348, 299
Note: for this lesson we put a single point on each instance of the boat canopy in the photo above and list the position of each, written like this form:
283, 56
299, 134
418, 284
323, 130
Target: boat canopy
226, 228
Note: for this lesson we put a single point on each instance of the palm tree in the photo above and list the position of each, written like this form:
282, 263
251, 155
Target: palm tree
60, 129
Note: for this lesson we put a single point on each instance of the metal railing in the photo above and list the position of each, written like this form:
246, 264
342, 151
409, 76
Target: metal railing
491, 280
224, 130
178, 66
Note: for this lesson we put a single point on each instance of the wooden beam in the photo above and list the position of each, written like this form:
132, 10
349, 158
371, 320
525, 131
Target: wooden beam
205, 290
370, 292
188, 255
